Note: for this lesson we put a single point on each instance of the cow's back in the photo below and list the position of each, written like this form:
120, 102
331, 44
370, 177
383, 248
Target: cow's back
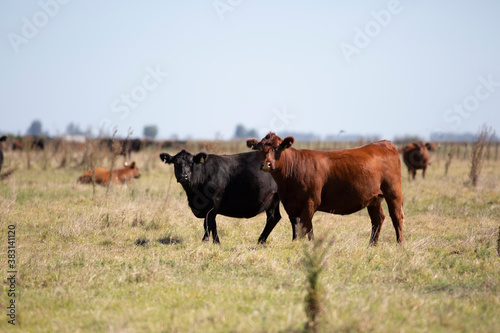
340, 182
100, 175
361, 174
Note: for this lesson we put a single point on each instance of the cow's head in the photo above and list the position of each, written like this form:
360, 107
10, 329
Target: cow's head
183, 164
431, 146
133, 167
271, 149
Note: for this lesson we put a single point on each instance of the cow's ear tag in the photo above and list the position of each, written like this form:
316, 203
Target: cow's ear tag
202, 160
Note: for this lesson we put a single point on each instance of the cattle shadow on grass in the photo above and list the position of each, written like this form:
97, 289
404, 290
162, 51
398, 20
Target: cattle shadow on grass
141, 241
169, 240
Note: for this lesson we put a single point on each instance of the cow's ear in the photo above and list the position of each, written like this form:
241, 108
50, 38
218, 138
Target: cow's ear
166, 158
287, 142
200, 158
132, 165
252, 143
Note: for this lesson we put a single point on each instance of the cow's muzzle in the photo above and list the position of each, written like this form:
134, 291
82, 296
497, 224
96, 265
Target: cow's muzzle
266, 166
183, 179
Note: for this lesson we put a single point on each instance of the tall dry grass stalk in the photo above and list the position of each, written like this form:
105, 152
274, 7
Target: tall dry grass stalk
62, 146
116, 149
478, 154
89, 160
314, 263
447, 163
28, 147
498, 242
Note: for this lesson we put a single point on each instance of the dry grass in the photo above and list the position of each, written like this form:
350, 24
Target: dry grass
132, 260
479, 151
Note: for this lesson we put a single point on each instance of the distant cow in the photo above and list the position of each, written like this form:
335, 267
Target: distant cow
229, 185
122, 147
2, 139
36, 143
339, 182
416, 156
119, 176
132, 145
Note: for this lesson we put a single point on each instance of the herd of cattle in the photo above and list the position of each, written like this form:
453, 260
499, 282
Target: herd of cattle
124, 147
305, 181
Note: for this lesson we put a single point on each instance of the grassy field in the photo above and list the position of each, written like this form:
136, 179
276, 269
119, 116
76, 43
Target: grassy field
130, 259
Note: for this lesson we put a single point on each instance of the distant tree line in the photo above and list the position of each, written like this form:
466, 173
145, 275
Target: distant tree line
458, 137
241, 132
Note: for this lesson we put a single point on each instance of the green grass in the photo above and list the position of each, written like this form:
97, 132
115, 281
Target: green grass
132, 260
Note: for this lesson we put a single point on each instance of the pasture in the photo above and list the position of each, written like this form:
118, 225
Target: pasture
130, 258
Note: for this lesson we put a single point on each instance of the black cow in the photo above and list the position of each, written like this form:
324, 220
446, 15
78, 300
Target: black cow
131, 145
3, 138
230, 185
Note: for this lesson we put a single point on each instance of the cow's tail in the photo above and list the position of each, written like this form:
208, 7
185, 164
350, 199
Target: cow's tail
402, 210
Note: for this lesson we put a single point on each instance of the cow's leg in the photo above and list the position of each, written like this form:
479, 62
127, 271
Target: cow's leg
396, 211
295, 221
211, 226
423, 172
394, 198
273, 217
305, 224
377, 217
206, 236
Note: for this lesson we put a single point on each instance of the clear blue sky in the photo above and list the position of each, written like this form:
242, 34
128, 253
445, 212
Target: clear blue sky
198, 68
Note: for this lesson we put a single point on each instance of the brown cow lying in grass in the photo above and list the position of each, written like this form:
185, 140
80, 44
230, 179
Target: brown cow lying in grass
339, 182
119, 176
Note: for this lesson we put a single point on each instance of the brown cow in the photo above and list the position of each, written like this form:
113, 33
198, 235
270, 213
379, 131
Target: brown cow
339, 182
416, 156
119, 176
